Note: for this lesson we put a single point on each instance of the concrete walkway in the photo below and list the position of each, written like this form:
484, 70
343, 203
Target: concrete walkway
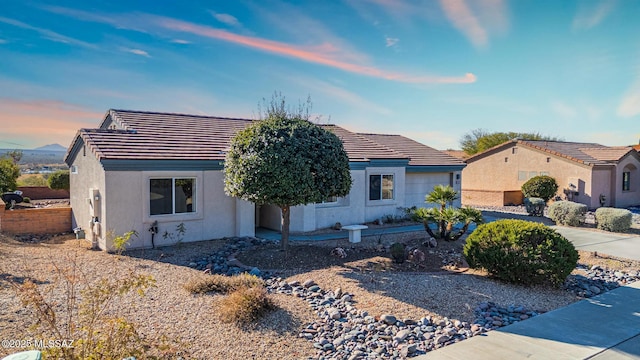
337, 234
605, 327
620, 245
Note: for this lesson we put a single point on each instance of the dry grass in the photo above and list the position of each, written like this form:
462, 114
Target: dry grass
222, 284
245, 305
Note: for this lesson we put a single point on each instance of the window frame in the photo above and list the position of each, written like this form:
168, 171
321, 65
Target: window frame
626, 181
382, 175
194, 196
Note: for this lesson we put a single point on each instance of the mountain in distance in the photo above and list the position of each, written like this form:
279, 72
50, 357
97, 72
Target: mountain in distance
52, 147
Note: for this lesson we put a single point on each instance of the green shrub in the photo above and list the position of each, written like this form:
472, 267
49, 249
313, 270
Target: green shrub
521, 252
59, 180
398, 253
245, 305
542, 186
26, 200
534, 205
567, 213
614, 220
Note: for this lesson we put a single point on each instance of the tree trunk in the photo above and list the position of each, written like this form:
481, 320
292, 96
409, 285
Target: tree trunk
286, 220
428, 229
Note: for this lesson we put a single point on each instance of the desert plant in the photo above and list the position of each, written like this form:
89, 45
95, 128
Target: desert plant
178, 236
541, 186
88, 312
398, 252
222, 284
26, 200
245, 304
445, 220
614, 220
535, 206
567, 213
120, 242
59, 180
521, 252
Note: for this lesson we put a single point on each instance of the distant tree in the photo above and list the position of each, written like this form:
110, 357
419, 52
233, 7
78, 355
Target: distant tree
479, 140
15, 155
9, 173
59, 180
286, 160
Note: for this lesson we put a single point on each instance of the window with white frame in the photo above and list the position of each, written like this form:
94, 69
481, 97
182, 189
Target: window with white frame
169, 196
381, 187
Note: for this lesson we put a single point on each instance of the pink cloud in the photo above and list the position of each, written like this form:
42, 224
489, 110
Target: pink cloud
43, 121
322, 54
465, 21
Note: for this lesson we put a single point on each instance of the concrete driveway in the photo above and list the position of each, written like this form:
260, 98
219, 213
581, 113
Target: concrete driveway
619, 245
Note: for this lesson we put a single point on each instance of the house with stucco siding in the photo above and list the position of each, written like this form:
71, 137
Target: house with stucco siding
588, 173
139, 170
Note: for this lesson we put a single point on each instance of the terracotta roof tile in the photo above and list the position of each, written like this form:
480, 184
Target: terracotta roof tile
149, 135
420, 154
586, 153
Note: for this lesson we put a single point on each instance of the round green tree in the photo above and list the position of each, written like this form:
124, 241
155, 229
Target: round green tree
9, 173
543, 186
59, 180
286, 160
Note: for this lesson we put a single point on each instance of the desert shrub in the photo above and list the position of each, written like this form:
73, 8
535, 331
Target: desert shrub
614, 220
89, 312
59, 180
542, 186
222, 284
245, 305
398, 253
121, 242
521, 252
534, 205
26, 200
567, 213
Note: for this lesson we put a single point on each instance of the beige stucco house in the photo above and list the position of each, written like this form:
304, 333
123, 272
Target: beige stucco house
588, 173
140, 169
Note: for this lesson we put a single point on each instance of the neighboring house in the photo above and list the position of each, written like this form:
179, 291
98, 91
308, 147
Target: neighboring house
140, 169
587, 173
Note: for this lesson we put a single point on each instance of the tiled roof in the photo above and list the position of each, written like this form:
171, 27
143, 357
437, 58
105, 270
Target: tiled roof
586, 153
136, 135
420, 154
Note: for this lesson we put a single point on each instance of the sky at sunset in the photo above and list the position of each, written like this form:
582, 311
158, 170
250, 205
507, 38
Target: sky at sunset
430, 70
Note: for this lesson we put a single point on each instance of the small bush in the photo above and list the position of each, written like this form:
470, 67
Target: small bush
26, 200
521, 252
398, 253
567, 213
534, 205
245, 304
222, 284
542, 186
59, 180
614, 220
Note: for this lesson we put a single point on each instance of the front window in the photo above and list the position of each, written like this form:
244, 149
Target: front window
626, 181
380, 187
172, 196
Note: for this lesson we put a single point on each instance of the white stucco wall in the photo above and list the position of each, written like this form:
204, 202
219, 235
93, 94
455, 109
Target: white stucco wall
348, 210
127, 208
421, 184
376, 209
90, 175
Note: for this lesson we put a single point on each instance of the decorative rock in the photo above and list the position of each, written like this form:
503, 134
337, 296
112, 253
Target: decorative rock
255, 271
388, 319
334, 313
401, 335
309, 283
442, 339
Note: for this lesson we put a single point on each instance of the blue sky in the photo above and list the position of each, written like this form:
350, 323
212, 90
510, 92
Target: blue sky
431, 70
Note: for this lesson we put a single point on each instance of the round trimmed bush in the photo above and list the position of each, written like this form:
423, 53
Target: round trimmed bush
567, 213
614, 220
542, 186
521, 252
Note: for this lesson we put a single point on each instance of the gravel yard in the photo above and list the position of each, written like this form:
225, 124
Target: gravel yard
191, 320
